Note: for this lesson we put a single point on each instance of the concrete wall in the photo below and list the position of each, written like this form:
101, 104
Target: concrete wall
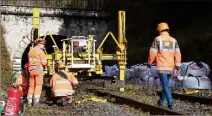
18, 24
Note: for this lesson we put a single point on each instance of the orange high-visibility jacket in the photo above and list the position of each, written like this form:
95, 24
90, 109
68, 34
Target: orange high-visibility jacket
63, 86
165, 50
37, 59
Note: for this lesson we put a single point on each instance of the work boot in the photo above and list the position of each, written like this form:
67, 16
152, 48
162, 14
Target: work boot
159, 104
64, 101
170, 107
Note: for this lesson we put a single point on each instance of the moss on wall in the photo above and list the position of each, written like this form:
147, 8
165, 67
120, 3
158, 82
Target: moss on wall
6, 68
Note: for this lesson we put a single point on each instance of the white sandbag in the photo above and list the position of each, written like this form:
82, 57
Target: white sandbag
191, 82
107, 70
129, 74
172, 82
205, 82
104, 74
136, 74
176, 82
150, 81
114, 68
175, 73
191, 68
143, 70
153, 71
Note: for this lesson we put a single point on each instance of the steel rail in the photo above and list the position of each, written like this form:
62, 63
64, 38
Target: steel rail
191, 98
153, 110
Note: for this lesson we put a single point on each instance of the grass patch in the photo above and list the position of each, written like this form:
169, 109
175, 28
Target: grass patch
41, 111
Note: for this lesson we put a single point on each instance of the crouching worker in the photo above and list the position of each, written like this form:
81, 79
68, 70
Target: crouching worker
23, 79
63, 83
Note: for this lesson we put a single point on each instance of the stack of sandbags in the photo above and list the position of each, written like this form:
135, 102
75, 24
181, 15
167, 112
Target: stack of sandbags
197, 82
153, 71
149, 81
130, 74
143, 70
136, 70
195, 75
111, 70
195, 69
107, 71
114, 70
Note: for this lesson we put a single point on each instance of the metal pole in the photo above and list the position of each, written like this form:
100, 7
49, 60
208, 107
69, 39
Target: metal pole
121, 52
35, 23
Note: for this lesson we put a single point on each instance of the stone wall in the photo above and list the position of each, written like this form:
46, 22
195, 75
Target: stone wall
18, 28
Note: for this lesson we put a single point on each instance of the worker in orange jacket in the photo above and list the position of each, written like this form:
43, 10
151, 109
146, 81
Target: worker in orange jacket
63, 83
37, 62
166, 51
23, 79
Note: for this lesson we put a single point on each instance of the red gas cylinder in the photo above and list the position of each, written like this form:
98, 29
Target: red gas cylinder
13, 102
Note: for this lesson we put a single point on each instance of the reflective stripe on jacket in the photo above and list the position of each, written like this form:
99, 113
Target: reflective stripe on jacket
37, 58
62, 86
165, 50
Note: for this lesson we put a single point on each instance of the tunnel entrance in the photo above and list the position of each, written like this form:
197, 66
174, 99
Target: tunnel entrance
48, 46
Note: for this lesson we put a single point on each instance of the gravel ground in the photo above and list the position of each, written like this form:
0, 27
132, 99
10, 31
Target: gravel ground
149, 96
142, 94
87, 108
102, 109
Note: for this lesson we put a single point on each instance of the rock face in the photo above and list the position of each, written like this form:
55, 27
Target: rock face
18, 25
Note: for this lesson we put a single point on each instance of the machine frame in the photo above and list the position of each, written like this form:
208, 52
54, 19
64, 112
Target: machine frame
92, 55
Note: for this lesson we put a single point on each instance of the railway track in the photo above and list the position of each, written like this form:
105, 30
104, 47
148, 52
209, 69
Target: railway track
191, 98
153, 110
145, 99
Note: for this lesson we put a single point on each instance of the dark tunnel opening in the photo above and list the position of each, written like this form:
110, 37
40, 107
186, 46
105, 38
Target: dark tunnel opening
48, 47
50, 43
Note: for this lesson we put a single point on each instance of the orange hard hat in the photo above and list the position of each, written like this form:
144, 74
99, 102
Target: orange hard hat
26, 65
40, 41
162, 26
61, 65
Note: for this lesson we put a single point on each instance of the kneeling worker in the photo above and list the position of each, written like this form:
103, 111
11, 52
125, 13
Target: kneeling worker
63, 83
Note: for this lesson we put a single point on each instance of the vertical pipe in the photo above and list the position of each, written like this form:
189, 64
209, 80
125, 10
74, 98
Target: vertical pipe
72, 50
121, 32
121, 37
64, 51
94, 53
35, 24
89, 53
36, 20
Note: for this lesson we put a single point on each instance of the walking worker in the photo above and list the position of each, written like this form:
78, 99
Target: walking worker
37, 62
63, 83
165, 50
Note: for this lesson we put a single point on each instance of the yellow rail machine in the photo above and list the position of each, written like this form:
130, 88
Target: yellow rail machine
80, 55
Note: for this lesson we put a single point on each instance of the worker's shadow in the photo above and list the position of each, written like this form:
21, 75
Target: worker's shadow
47, 95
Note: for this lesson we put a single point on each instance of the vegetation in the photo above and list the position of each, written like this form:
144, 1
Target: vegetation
6, 68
